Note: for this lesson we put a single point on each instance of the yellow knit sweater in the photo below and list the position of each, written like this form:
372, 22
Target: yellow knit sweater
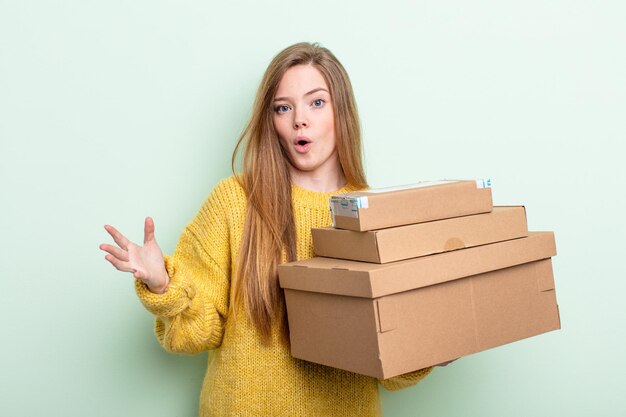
244, 376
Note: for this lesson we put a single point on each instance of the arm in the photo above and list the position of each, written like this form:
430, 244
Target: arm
189, 291
190, 314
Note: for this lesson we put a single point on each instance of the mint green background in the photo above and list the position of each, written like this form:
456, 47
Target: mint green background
114, 110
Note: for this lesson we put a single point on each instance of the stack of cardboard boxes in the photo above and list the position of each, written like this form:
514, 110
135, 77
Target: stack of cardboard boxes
413, 276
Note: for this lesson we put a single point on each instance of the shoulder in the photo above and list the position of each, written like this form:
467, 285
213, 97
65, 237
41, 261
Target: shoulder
224, 205
228, 187
226, 195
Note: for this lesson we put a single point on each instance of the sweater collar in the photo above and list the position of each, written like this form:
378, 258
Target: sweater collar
304, 197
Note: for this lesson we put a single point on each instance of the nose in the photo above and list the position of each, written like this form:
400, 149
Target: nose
299, 121
299, 124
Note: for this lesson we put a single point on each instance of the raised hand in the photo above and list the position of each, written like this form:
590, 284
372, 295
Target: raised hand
144, 262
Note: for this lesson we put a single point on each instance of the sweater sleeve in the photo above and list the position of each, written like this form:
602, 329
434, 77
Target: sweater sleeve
190, 315
406, 380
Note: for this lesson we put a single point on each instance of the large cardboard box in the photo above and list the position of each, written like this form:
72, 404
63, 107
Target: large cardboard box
385, 320
422, 202
414, 240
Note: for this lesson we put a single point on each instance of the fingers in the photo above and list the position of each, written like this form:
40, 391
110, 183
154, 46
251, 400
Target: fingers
119, 238
148, 230
119, 265
123, 266
118, 253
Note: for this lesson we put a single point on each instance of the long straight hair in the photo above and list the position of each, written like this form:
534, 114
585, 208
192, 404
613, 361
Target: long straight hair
269, 231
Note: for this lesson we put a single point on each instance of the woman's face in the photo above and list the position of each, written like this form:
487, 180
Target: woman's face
304, 120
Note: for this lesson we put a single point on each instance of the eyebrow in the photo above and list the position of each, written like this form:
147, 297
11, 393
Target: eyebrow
315, 90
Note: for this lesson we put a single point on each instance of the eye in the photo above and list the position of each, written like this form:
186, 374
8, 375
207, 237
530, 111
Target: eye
319, 102
282, 108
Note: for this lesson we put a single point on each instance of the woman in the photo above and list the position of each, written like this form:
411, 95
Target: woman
219, 291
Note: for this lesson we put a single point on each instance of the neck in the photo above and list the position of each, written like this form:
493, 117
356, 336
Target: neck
321, 180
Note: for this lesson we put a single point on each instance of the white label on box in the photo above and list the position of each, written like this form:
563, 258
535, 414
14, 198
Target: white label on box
484, 183
347, 205
421, 184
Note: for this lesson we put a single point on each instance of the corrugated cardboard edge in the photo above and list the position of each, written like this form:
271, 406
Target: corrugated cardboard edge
328, 241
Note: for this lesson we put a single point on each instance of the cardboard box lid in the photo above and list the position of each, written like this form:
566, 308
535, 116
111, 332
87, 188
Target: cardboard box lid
420, 239
363, 279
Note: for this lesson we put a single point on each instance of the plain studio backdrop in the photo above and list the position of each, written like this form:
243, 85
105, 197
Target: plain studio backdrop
114, 110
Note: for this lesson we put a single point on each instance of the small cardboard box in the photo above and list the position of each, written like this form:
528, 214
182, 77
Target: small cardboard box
414, 240
422, 202
390, 319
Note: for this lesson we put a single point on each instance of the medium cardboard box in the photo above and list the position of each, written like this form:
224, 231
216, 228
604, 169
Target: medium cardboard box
422, 202
414, 240
390, 319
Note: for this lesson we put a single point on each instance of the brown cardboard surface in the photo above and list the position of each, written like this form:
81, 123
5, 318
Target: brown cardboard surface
402, 332
377, 209
369, 280
415, 240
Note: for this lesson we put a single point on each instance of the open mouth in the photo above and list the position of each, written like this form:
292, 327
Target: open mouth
303, 144
301, 140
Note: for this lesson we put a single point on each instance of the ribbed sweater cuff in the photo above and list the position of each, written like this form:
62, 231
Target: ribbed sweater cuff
176, 298
406, 380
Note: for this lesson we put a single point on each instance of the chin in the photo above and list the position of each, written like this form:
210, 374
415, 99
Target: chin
305, 168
